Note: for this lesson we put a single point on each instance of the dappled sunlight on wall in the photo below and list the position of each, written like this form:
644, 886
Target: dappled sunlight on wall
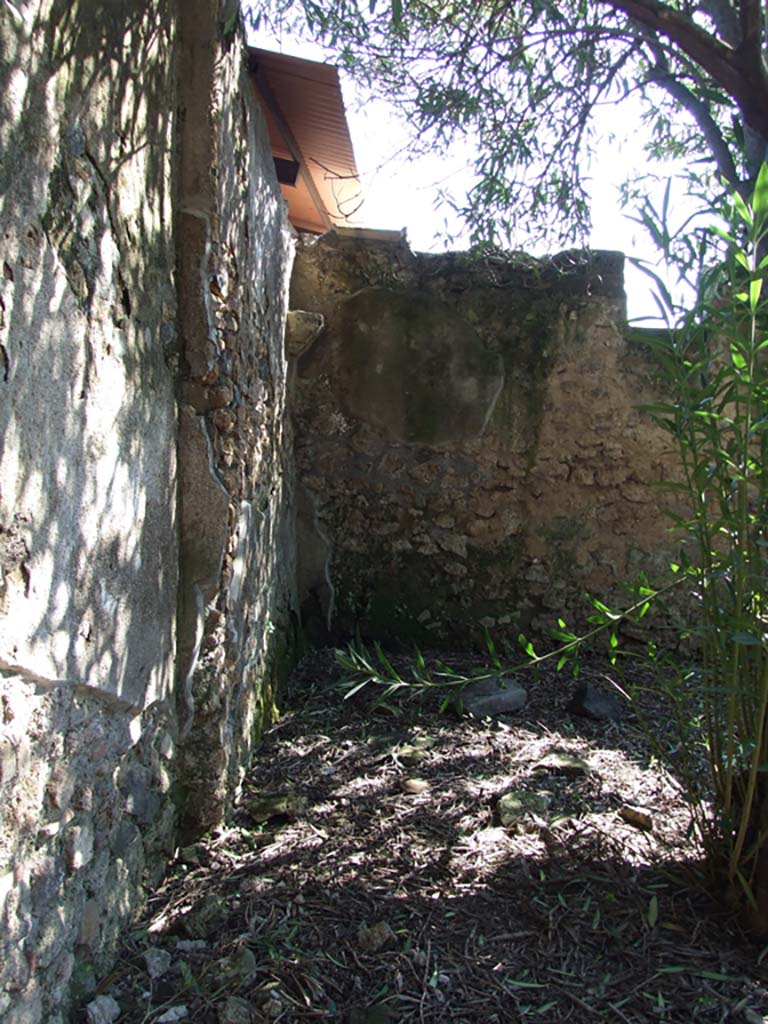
88, 552
146, 501
88, 309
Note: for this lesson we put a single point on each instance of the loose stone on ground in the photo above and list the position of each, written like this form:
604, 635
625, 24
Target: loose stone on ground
489, 698
591, 702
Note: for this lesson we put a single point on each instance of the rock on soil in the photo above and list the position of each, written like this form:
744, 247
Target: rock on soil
489, 698
103, 1010
590, 702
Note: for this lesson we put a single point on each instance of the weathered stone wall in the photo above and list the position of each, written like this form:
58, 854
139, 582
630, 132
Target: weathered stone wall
468, 441
237, 529
87, 508
143, 597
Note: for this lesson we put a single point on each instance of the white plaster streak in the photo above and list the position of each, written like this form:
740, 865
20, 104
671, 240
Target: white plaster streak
7, 885
494, 399
201, 586
212, 462
205, 276
240, 560
189, 699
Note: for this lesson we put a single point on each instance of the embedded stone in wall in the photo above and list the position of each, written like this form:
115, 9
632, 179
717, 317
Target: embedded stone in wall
301, 330
236, 477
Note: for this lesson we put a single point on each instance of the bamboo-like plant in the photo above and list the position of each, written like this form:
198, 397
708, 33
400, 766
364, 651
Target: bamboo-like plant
714, 358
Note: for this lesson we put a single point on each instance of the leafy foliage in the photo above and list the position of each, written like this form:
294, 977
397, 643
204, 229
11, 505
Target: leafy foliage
715, 356
714, 361
362, 668
524, 80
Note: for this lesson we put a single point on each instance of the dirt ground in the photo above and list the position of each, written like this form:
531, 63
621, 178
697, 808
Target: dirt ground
368, 878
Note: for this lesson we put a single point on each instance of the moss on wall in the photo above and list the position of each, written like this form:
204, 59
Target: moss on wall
468, 433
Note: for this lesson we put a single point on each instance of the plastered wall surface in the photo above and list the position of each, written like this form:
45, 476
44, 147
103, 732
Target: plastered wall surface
469, 444
87, 478
146, 544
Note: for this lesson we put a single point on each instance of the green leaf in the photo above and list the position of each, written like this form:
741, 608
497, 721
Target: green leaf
605, 610
755, 288
746, 640
391, 672
526, 645
356, 689
230, 24
725, 235
742, 209
662, 408
652, 915
743, 260
189, 979
760, 195
738, 359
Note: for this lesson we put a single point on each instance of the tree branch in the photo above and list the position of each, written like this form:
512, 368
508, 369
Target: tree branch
739, 73
706, 123
662, 75
751, 29
725, 18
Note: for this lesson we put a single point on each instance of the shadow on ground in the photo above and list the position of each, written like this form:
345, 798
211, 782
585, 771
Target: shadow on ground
367, 878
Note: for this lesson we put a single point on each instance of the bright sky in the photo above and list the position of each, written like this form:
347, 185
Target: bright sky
402, 194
